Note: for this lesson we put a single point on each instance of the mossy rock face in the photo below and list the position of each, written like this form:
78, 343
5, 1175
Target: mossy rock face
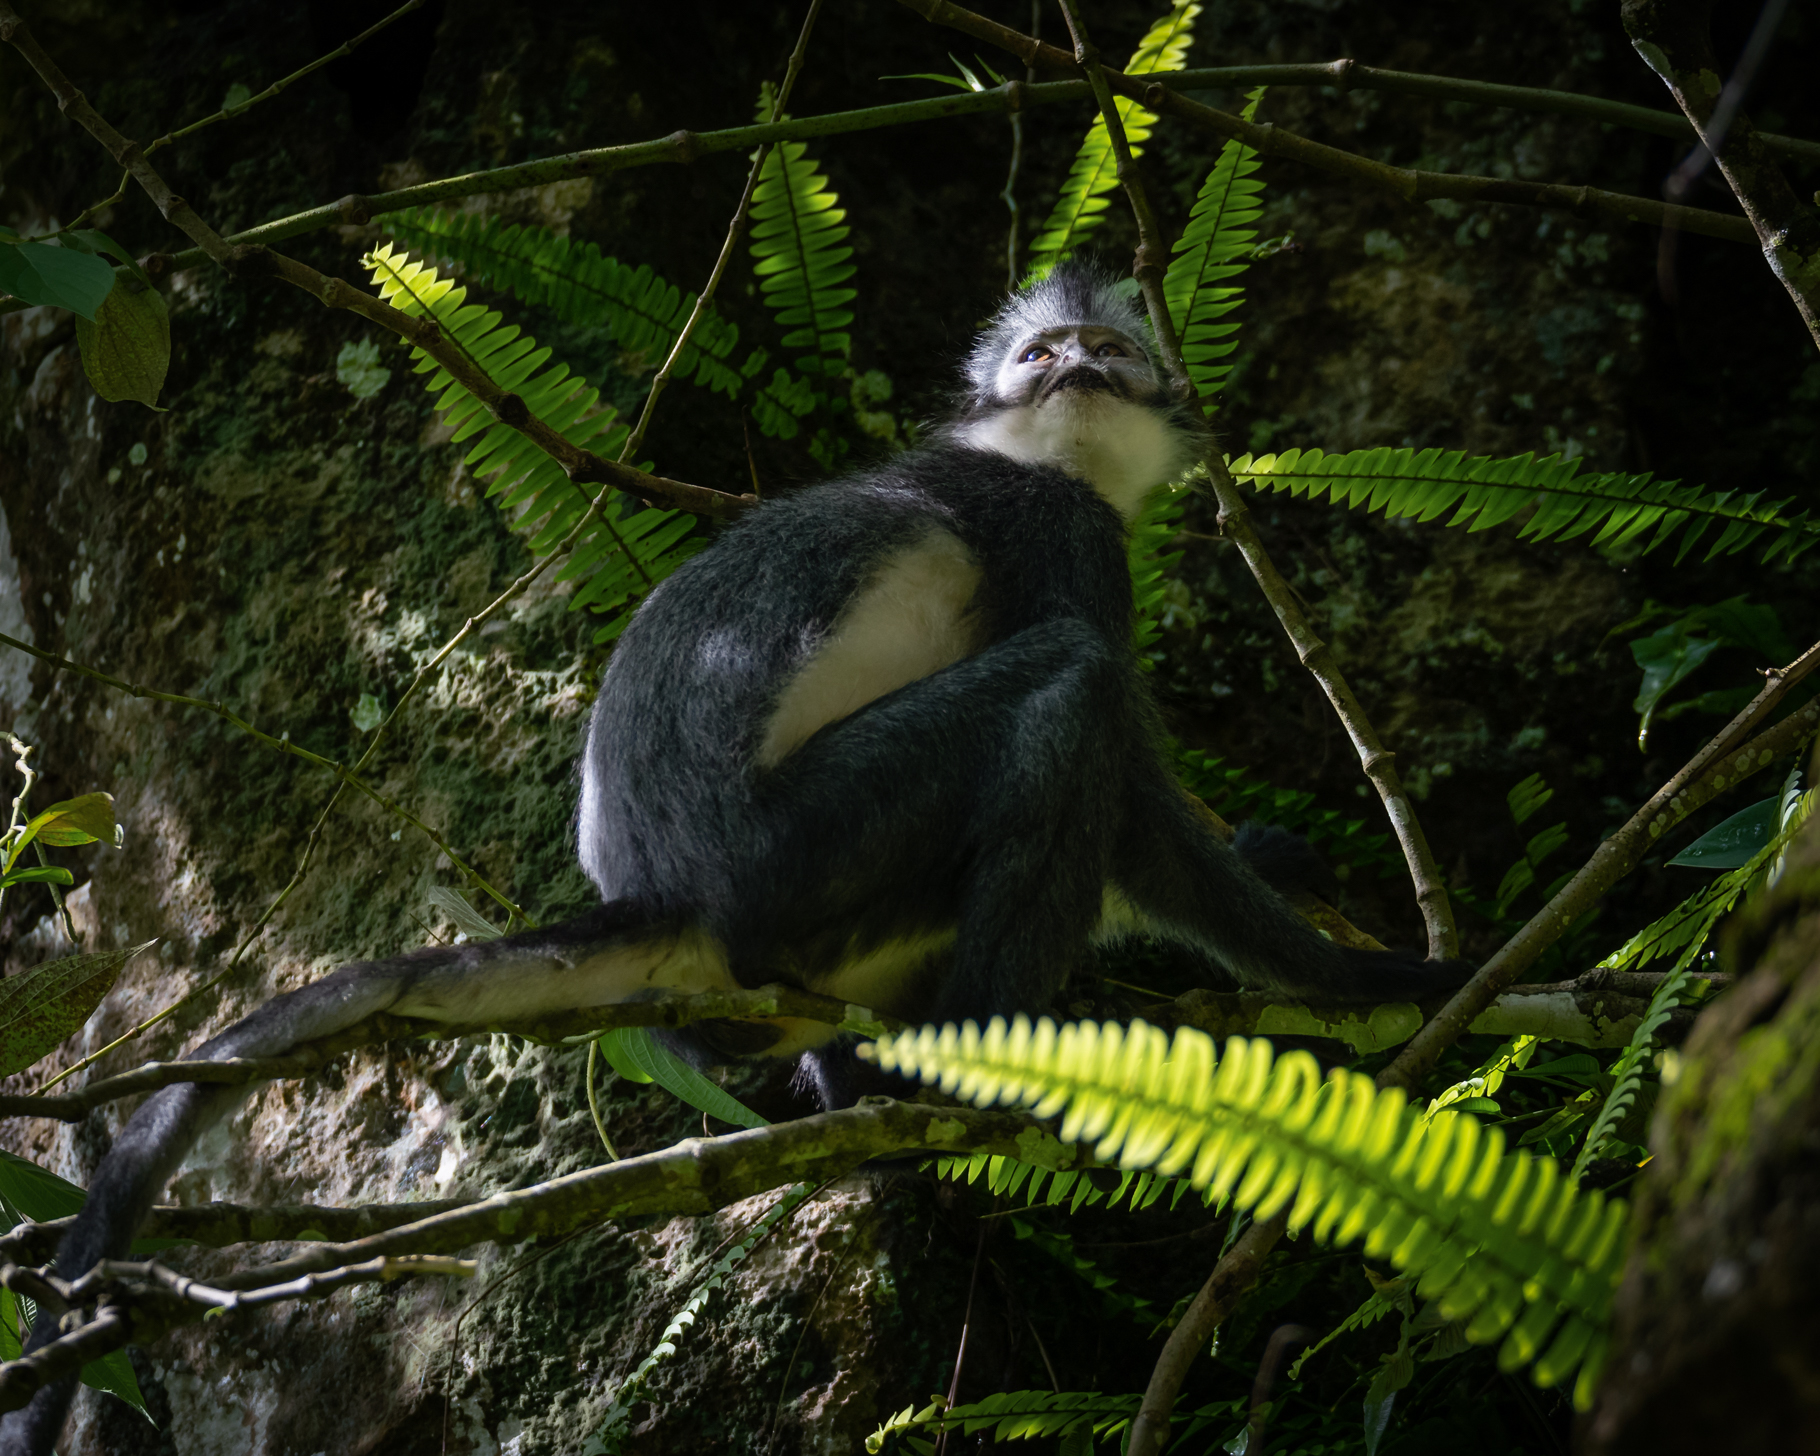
1716, 1333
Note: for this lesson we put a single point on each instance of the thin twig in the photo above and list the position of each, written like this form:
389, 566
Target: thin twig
112, 1273
600, 1126
1721, 765
1673, 38
734, 228
686, 147
1378, 763
960, 1355
1411, 184
240, 108
666, 1012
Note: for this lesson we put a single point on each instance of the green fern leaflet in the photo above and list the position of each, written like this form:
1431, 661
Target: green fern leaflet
1215, 246
1483, 492
1078, 209
799, 250
635, 307
628, 547
1501, 1241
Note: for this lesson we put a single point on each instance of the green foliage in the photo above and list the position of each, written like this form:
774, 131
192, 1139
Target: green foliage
1501, 1241
800, 254
39, 1008
609, 1439
1008, 1178
1078, 209
635, 1054
43, 273
627, 548
1685, 929
1484, 492
1078, 1419
1672, 654
1012, 1415
635, 307
1214, 247
1153, 559
1525, 799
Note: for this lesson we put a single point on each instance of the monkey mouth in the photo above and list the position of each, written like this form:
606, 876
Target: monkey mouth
1083, 378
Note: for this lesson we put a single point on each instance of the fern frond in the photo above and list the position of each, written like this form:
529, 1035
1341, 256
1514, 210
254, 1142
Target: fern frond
1483, 491
628, 546
635, 307
1013, 1415
1006, 1178
1213, 248
1502, 1241
1095, 171
616, 1426
1152, 561
1686, 928
799, 250
1232, 791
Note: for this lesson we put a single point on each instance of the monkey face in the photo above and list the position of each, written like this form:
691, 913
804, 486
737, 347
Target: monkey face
1072, 363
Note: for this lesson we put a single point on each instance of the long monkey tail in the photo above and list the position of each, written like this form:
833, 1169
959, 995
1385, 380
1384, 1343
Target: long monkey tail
616, 953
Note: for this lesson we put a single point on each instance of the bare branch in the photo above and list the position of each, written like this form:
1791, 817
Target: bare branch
1410, 184
1673, 39
668, 1013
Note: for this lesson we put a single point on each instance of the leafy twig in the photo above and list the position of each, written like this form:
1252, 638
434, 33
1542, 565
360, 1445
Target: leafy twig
1408, 183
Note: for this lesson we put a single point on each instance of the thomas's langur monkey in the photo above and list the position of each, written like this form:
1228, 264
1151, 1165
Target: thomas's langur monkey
887, 740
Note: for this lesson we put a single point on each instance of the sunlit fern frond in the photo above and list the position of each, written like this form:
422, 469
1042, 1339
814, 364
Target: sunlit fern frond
628, 547
1484, 491
1213, 249
1500, 1240
637, 308
801, 257
1083, 199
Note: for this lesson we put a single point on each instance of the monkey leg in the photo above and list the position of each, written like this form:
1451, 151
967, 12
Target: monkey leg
978, 803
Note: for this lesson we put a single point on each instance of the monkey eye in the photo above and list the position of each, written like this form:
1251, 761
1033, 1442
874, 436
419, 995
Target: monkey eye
1034, 353
1109, 351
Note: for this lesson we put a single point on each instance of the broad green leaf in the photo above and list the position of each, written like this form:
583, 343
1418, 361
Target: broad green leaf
126, 351
636, 1047
622, 1058
61, 277
1735, 842
37, 875
93, 240
74, 821
1667, 658
30, 1192
47, 1003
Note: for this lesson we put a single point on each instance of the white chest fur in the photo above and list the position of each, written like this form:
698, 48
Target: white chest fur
914, 617
1122, 450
